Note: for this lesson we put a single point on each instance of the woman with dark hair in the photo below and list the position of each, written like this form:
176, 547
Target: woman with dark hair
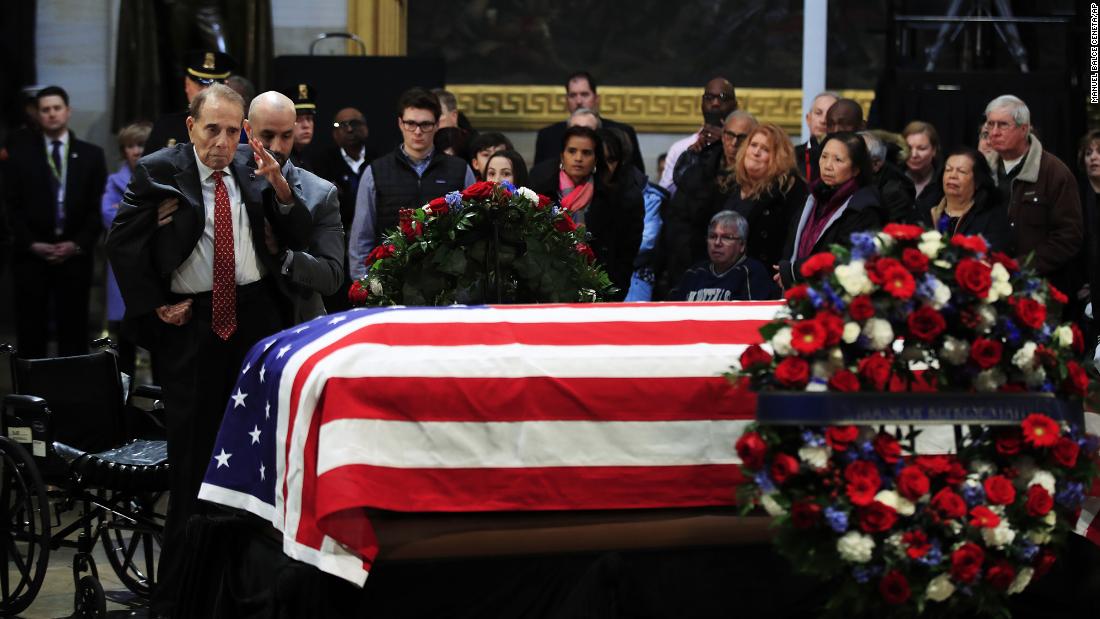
970, 202
922, 165
841, 202
452, 140
578, 181
506, 165
767, 191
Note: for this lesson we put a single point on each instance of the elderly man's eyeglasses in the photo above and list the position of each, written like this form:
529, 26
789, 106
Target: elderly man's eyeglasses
348, 125
424, 125
709, 97
734, 136
999, 125
714, 237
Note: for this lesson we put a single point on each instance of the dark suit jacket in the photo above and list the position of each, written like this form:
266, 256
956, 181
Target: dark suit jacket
329, 164
144, 256
548, 142
863, 213
30, 194
319, 269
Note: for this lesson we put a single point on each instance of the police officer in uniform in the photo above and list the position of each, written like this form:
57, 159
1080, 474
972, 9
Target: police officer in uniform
304, 97
202, 70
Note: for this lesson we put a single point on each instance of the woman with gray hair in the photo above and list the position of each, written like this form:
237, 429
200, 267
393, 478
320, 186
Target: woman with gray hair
728, 274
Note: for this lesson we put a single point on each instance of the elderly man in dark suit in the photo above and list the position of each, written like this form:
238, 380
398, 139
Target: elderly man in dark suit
53, 187
201, 284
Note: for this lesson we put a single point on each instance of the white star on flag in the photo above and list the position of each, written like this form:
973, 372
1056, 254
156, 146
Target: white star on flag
337, 320
223, 459
267, 410
282, 351
301, 328
247, 367
255, 434
263, 370
261, 470
238, 398
268, 344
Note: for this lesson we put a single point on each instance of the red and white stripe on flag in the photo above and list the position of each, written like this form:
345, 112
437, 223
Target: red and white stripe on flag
551, 407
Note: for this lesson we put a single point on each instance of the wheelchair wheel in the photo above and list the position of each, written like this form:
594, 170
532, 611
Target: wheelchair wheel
132, 545
89, 601
24, 528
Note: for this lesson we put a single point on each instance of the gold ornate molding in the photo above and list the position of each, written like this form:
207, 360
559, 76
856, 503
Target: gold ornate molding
648, 109
381, 25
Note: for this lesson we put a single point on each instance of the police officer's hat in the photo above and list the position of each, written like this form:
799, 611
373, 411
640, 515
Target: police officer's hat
208, 67
304, 97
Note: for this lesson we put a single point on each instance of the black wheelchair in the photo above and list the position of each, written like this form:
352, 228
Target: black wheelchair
71, 438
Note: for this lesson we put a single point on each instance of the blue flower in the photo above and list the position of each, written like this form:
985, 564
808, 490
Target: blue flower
815, 297
812, 440
973, 494
1044, 334
1072, 495
454, 199
850, 455
1012, 333
508, 185
1028, 551
866, 449
837, 519
863, 245
834, 298
934, 556
764, 482
862, 574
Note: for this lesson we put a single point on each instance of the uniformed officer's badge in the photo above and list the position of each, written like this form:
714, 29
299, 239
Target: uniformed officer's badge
208, 61
171, 142
303, 91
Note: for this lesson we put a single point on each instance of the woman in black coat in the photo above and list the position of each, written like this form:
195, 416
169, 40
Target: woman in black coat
970, 204
841, 202
766, 191
613, 215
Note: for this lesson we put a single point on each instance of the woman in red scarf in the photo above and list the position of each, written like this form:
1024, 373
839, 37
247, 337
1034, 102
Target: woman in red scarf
578, 181
841, 202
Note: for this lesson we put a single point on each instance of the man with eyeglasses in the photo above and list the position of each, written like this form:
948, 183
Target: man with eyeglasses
718, 101
407, 177
1039, 191
806, 155
728, 274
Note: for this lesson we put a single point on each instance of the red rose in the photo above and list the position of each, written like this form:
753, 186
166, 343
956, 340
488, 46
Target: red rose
1078, 338
585, 250
917, 544
861, 308
863, 482
926, 324
1077, 380
839, 437
380, 252
438, 206
543, 201
816, 264
793, 372
983, 517
754, 355
966, 560
1040, 430
973, 243
478, 191
807, 336
894, 587
877, 517
1008, 262
934, 465
410, 227
1030, 312
833, 325
970, 318
783, 467
1065, 452
974, 277
1000, 575
877, 268
805, 514
357, 293
999, 490
876, 370
955, 474
887, 448
1008, 441
949, 504
914, 260
1058, 296
844, 380
1044, 562
565, 224
1039, 501
751, 449
912, 483
796, 293
898, 282
986, 352
903, 232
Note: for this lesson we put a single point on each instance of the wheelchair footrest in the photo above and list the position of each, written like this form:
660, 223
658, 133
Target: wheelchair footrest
138, 466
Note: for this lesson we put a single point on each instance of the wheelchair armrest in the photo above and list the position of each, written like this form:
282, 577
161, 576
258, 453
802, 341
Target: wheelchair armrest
153, 392
22, 402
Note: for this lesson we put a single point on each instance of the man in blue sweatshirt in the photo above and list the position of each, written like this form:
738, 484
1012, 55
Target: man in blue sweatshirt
728, 275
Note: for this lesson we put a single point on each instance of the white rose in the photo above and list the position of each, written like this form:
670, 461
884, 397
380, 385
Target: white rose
1035, 377
901, 505
998, 291
883, 241
987, 317
954, 350
1044, 479
851, 333
980, 468
879, 332
853, 278
1022, 580
941, 294
816, 386
772, 506
1038, 536
531, 196
814, 457
940, 588
989, 380
895, 545
1025, 356
931, 242
781, 342
1063, 336
375, 286
855, 547
999, 536
999, 273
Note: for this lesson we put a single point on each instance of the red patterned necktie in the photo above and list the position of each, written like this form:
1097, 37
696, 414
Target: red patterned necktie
224, 312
